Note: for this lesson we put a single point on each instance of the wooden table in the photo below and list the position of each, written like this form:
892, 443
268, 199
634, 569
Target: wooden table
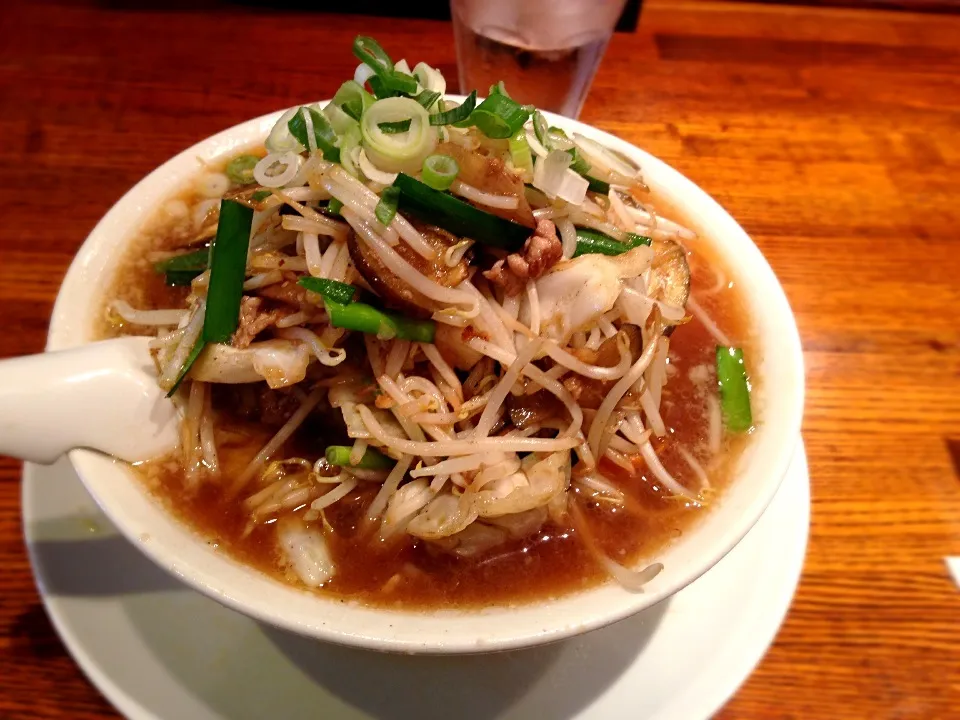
832, 135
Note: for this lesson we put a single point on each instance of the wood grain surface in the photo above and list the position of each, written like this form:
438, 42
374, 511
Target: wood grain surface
832, 135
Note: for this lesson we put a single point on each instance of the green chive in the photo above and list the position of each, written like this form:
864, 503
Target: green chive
260, 195
439, 171
458, 217
330, 289
579, 164
240, 169
196, 260
325, 137
392, 128
182, 269
372, 459
187, 364
387, 206
592, 242
458, 114
364, 318
228, 267
180, 278
734, 389
334, 206
597, 186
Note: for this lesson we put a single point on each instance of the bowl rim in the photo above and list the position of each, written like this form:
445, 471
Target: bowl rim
422, 631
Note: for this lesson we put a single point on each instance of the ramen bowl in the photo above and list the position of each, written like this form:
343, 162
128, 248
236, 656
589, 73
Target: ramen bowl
180, 550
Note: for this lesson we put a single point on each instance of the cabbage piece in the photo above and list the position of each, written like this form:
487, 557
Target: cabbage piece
305, 551
405, 503
279, 362
347, 397
522, 524
574, 293
471, 541
535, 486
445, 515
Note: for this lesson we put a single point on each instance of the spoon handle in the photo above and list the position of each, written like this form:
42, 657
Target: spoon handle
102, 396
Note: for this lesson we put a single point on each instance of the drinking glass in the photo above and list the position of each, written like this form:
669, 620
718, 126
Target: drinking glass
545, 51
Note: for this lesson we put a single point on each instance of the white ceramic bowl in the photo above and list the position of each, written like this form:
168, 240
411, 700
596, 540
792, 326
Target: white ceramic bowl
179, 550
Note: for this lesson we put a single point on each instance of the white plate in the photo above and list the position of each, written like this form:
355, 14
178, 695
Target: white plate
157, 649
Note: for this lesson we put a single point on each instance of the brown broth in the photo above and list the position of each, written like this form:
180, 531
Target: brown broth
410, 573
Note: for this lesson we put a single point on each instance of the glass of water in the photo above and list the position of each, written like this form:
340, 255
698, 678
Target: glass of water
545, 51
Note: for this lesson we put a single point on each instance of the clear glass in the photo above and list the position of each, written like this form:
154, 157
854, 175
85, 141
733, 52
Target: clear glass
545, 51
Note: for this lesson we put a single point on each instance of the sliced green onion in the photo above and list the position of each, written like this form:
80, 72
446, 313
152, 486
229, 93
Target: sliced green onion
368, 51
228, 267
541, 130
353, 99
380, 89
593, 242
427, 98
349, 141
260, 195
520, 154
457, 114
387, 206
367, 319
399, 82
240, 169
499, 89
439, 171
429, 78
579, 164
339, 120
330, 289
397, 152
458, 217
334, 206
325, 137
734, 389
280, 140
392, 128
372, 459
597, 186
499, 117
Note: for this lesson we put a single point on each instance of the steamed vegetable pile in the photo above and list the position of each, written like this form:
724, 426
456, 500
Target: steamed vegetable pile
486, 300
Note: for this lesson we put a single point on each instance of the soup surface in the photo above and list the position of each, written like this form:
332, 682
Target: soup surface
407, 571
